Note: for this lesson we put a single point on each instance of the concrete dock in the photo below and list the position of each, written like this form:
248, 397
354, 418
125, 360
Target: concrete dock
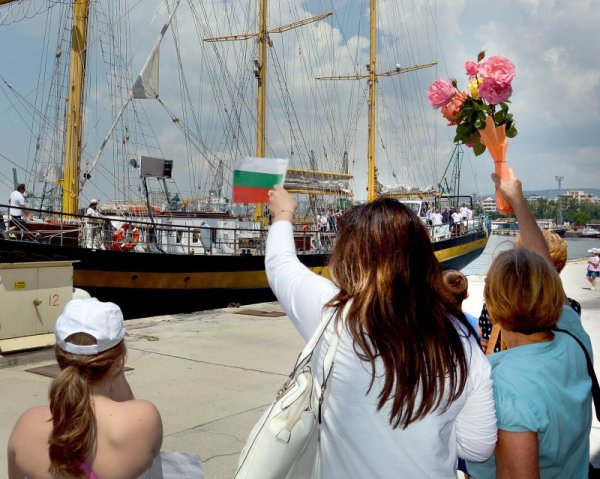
212, 373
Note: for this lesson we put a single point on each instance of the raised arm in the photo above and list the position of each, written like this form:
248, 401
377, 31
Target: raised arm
530, 232
531, 235
300, 292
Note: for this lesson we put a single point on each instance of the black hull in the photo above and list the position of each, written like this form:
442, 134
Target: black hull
145, 284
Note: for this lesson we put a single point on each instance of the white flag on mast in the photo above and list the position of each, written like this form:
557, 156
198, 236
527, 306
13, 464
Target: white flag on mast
146, 84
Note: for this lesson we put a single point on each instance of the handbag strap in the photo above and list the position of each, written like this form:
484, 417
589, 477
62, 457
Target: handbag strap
308, 350
306, 354
328, 363
591, 372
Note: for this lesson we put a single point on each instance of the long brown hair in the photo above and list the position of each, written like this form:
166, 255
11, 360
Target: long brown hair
73, 437
400, 310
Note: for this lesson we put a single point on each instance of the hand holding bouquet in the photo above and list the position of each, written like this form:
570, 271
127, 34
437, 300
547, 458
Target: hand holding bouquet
481, 116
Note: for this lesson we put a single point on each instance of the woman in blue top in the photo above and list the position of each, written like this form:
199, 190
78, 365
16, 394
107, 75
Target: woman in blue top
542, 389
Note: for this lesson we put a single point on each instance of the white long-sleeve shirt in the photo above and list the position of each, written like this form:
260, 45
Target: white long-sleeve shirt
356, 439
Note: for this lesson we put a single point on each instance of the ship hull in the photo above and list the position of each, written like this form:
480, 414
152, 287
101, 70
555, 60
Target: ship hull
145, 284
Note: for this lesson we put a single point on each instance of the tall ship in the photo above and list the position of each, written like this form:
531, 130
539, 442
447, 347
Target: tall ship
129, 104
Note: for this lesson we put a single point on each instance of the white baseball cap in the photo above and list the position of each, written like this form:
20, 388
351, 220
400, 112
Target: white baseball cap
102, 321
93, 201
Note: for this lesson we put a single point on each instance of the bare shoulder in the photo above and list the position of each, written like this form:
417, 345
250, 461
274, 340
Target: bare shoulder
28, 437
32, 419
134, 420
140, 407
134, 411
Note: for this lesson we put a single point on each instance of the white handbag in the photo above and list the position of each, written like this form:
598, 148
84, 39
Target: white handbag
283, 443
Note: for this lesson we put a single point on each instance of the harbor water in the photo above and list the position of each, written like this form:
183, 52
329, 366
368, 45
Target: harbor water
576, 248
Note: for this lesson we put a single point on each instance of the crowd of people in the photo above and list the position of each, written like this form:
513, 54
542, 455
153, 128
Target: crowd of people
409, 372
411, 392
457, 218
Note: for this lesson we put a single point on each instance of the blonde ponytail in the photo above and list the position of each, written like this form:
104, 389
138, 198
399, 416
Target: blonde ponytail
73, 437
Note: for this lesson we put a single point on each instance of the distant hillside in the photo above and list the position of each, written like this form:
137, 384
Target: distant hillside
552, 193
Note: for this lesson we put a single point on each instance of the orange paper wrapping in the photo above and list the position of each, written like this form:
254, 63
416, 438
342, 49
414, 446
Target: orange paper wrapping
494, 138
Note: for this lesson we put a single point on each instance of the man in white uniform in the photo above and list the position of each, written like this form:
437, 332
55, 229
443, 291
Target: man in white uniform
16, 201
92, 224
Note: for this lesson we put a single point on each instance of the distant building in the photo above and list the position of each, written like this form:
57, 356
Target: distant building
531, 198
580, 195
489, 205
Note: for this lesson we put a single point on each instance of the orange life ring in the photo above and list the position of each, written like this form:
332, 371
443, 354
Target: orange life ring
119, 236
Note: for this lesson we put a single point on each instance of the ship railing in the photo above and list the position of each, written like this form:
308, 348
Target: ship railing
159, 236
460, 228
42, 226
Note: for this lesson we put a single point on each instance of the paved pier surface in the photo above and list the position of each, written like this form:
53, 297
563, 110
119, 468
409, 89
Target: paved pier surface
212, 373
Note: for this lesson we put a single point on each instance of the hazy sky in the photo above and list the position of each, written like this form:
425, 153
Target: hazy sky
555, 46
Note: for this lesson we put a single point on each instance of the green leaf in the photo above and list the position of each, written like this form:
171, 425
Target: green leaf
511, 132
462, 129
466, 111
478, 148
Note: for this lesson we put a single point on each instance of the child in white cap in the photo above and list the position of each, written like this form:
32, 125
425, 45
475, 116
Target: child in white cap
93, 427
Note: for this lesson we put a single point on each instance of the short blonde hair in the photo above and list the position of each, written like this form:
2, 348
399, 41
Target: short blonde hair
556, 245
523, 292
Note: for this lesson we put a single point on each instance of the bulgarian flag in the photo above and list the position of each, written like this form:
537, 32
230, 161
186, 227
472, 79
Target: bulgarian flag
254, 177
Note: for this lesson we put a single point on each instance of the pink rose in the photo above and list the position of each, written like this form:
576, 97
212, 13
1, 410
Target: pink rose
453, 107
497, 68
472, 68
439, 93
494, 92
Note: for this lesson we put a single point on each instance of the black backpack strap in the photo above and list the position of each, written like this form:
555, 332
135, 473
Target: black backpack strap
591, 372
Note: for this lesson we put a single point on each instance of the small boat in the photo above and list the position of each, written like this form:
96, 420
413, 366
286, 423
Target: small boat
552, 226
591, 230
505, 227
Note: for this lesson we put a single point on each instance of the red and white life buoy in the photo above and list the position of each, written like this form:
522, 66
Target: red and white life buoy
122, 234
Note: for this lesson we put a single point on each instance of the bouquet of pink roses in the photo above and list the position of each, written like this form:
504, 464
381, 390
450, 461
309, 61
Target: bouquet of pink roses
481, 116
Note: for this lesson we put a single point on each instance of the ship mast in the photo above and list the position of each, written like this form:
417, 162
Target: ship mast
261, 76
260, 72
74, 116
372, 76
372, 100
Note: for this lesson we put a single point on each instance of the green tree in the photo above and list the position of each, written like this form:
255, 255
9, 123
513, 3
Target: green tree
581, 218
